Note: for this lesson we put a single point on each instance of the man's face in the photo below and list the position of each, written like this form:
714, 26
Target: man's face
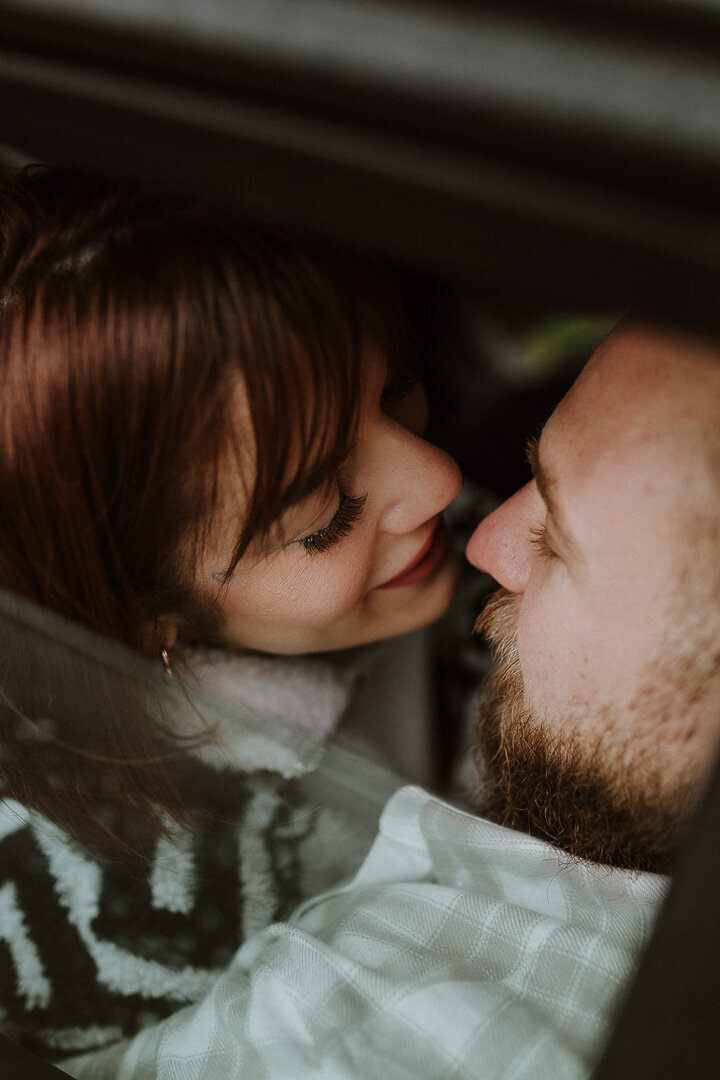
608, 713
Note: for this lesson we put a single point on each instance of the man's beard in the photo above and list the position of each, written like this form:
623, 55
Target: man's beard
549, 784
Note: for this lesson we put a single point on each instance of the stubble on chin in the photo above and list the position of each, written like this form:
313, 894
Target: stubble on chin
547, 784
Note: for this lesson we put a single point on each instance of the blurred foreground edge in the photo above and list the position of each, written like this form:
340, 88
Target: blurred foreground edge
668, 1029
569, 156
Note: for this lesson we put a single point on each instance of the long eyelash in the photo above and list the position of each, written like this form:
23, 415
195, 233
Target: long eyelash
347, 513
538, 539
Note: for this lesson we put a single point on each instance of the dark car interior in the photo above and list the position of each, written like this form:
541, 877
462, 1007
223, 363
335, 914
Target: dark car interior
527, 172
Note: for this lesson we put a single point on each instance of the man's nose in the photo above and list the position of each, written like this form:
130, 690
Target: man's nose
500, 544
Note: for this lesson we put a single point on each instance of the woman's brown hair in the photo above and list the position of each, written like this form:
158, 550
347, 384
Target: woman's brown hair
126, 326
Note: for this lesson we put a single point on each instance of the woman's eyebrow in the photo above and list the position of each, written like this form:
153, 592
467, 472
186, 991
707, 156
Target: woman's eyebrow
545, 485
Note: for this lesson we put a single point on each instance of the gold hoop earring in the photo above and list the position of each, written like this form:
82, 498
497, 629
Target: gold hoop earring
166, 663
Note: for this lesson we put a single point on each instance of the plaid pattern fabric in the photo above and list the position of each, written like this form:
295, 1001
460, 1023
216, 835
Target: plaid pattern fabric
459, 950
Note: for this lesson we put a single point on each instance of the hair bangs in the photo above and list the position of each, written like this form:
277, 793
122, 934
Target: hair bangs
315, 316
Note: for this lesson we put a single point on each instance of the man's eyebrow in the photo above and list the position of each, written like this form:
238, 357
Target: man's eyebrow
540, 477
545, 486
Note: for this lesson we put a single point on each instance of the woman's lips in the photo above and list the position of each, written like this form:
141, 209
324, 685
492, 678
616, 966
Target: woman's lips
425, 562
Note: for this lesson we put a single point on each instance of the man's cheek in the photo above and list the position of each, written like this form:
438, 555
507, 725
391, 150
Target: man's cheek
554, 654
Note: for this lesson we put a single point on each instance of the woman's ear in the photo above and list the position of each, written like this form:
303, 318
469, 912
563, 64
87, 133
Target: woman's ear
167, 628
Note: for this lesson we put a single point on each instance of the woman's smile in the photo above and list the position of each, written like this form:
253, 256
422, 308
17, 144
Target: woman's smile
426, 561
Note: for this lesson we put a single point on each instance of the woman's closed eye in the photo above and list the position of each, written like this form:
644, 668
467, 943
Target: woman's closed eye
347, 514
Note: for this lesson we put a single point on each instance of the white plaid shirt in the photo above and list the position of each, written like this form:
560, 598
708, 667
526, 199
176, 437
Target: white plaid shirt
459, 950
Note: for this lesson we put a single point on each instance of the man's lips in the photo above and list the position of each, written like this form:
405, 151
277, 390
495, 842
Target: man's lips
425, 562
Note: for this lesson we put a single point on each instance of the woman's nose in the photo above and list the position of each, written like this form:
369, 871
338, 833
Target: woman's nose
499, 545
425, 481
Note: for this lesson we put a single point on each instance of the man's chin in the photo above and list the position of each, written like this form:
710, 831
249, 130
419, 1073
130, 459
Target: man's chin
555, 790
551, 786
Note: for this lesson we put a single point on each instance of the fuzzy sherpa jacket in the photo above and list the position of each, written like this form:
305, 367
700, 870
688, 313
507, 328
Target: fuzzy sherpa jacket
93, 950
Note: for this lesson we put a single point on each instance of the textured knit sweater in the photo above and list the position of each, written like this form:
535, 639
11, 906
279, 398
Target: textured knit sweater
93, 950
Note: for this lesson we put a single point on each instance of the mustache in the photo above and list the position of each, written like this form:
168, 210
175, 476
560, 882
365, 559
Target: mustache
503, 690
497, 623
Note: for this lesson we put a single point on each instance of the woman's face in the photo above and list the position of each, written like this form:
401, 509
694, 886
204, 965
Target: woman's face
364, 557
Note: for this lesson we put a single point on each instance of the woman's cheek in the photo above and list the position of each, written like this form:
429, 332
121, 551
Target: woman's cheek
319, 590
328, 592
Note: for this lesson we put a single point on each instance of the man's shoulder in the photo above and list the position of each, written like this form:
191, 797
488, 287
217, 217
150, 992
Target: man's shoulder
457, 940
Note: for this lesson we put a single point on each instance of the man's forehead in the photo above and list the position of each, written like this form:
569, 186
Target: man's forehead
641, 384
638, 429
